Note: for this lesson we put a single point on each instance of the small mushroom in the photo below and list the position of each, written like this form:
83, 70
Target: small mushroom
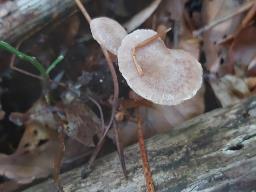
169, 76
108, 33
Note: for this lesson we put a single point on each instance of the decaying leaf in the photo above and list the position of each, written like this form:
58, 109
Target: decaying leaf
243, 48
184, 111
172, 13
79, 121
230, 89
216, 55
142, 16
34, 156
157, 118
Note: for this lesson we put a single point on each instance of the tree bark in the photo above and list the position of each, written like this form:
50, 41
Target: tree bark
215, 152
20, 17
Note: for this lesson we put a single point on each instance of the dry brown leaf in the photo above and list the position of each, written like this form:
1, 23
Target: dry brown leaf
71, 30
213, 10
34, 156
79, 121
173, 10
142, 16
160, 119
243, 48
191, 46
251, 82
10, 186
230, 89
184, 111
82, 124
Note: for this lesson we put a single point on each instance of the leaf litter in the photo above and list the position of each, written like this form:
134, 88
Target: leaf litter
217, 33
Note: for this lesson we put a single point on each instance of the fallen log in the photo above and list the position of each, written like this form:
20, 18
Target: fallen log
215, 152
20, 17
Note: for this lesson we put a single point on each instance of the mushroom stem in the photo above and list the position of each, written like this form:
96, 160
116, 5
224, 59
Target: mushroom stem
143, 44
83, 10
115, 99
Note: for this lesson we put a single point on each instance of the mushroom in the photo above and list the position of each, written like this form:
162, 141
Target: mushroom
169, 77
108, 33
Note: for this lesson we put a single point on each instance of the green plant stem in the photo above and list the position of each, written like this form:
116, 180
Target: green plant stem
54, 64
25, 57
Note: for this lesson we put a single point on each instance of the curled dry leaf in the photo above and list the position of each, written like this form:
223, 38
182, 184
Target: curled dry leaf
108, 33
36, 152
33, 157
142, 16
243, 49
173, 13
160, 119
79, 121
10, 186
170, 76
183, 111
37, 149
216, 55
230, 89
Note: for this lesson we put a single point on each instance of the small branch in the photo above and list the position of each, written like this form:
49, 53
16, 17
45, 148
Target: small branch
120, 149
144, 157
223, 19
24, 57
58, 158
143, 44
116, 92
83, 10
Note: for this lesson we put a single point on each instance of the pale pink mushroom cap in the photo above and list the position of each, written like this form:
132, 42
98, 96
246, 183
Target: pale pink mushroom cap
170, 76
108, 33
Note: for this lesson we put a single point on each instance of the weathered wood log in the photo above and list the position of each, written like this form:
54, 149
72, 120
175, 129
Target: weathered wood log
19, 17
215, 152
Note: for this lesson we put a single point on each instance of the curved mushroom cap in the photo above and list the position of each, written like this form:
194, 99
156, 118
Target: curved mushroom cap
108, 33
170, 76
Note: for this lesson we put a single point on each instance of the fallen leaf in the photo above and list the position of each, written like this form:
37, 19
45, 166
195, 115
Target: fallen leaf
33, 157
160, 119
10, 186
230, 89
142, 16
184, 111
243, 48
79, 121
216, 55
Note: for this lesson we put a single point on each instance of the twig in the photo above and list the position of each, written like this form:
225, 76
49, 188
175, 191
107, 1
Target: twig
100, 111
249, 16
115, 98
144, 157
58, 158
223, 19
143, 44
120, 149
83, 10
